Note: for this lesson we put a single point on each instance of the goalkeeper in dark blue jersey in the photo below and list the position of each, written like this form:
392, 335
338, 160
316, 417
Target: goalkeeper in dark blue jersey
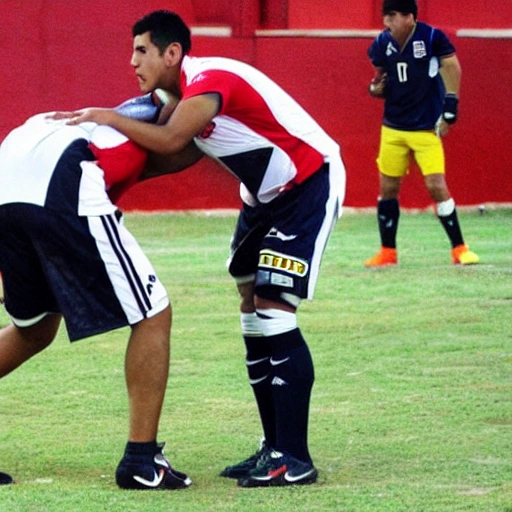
418, 75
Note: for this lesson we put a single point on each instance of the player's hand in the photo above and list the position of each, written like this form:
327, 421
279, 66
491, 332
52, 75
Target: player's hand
95, 115
377, 87
442, 127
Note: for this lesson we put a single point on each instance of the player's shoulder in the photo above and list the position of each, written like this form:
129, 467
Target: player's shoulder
380, 43
435, 38
194, 65
426, 31
382, 38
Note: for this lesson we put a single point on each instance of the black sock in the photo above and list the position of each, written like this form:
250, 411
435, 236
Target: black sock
292, 381
388, 214
260, 379
140, 452
451, 225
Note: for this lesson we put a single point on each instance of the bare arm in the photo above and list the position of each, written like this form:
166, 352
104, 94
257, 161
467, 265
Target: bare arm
189, 118
451, 73
158, 164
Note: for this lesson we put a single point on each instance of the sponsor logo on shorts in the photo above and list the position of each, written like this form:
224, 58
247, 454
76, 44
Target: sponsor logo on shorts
278, 261
280, 280
278, 234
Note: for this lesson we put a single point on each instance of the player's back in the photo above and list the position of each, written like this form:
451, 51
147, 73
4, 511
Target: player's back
28, 157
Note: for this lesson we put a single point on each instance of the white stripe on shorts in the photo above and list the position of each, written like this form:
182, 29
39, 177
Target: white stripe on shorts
333, 210
133, 278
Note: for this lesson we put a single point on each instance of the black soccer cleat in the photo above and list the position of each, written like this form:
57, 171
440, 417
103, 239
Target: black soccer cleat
5, 479
158, 474
279, 470
243, 468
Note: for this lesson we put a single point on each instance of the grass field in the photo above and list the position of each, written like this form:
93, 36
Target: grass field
412, 404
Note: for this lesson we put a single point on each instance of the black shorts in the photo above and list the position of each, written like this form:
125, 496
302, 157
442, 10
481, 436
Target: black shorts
280, 244
90, 269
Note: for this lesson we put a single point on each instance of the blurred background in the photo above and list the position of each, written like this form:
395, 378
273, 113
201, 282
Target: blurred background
68, 54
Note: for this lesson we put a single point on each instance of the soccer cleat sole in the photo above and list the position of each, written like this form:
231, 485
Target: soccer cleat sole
283, 480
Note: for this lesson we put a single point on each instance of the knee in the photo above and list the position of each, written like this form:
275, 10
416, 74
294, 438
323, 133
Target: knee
437, 188
40, 335
389, 187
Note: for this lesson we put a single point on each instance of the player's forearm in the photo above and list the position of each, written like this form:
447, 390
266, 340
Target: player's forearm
158, 164
154, 138
451, 73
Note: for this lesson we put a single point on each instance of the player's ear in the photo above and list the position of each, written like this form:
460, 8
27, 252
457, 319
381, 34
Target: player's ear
173, 54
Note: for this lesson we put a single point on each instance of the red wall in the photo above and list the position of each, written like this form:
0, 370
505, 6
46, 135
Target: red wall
62, 54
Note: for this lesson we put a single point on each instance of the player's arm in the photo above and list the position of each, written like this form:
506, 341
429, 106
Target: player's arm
158, 164
190, 117
377, 87
451, 73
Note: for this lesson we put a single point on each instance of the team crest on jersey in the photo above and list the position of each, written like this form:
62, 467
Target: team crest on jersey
419, 49
283, 262
390, 49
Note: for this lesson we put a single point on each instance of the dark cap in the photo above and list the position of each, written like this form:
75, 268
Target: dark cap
403, 6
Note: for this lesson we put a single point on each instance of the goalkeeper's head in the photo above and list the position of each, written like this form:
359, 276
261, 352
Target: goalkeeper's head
402, 6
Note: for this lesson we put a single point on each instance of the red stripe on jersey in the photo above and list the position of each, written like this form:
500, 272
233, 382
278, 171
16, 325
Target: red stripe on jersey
242, 102
122, 165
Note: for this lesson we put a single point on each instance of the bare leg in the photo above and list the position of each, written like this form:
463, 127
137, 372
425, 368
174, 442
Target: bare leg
147, 370
18, 345
437, 187
389, 186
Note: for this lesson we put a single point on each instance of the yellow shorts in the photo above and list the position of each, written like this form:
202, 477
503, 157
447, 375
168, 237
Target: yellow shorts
397, 145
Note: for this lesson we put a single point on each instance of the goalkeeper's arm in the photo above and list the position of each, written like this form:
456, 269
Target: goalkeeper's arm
377, 87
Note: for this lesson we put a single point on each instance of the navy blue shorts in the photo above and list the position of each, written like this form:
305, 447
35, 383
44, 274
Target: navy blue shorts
89, 269
280, 244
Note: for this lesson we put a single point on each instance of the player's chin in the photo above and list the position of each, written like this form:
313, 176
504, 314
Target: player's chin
144, 86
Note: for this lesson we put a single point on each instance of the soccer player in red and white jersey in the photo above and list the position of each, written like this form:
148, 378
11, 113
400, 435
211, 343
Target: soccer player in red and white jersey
65, 253
292, 185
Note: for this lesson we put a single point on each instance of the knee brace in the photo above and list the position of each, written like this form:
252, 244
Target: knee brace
445, 208
250, 325
275, 321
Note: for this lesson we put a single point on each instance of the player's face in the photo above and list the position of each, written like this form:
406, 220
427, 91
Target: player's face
398, 24
149, 66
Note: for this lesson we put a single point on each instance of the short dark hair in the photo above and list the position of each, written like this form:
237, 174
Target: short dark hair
403, 6
164, 27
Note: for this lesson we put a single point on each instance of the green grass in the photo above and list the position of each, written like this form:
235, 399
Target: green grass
412, 404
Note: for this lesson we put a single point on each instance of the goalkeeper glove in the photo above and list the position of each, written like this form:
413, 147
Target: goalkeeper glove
450, 108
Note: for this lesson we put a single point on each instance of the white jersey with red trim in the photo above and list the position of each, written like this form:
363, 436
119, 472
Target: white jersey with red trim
78, 169
261, 134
